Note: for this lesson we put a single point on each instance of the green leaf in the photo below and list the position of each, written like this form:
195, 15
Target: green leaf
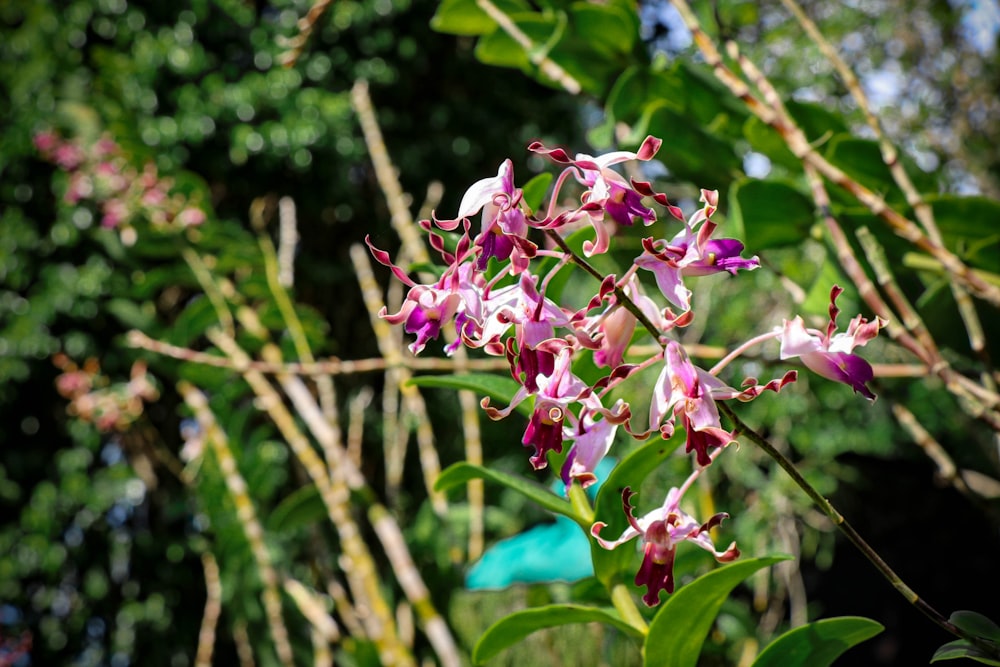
301, 508
976, 624
460, 473
862, 160
678, 630
639, 85
631, 471
464, 17
772, 213
817, 644
815, 120
509, 630
535, 190
501, 50
963, 649
604, 27
969, 226
695, 153
499, 387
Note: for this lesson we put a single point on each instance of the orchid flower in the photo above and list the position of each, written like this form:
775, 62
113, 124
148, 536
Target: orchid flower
504, 230
692, 252
829, 354
428, 307
617, 326
608, 192
683, 390
661, 531
556, 392
592, 442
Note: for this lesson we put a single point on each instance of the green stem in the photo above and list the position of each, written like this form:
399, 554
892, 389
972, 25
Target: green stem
824, 505
623, 299
621, 598
852, 535
581, 504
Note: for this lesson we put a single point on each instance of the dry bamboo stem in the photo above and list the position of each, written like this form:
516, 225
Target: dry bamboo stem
385, 526
213, 607
306, 25
922, 210
324, 630
333, 366
425, 437
413, 247
357, 561
246, 514
797, 142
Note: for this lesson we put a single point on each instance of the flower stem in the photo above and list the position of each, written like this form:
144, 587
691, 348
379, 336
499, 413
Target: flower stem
852, 535
623, 298
623, 602
581, 504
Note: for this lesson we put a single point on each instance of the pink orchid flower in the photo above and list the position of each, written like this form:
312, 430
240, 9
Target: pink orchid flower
829, 354
661, 531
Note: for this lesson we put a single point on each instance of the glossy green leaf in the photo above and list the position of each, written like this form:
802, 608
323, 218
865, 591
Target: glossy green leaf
464, 17
301, 508
970, 227
605, 27
961, 648
639, 85
771, 213
501, 50
815, 120
631, 471
679, 629
509, 630
692, 151
862, 160
977, 624
817, 644
460, 473
536, 189
499, 387
552, 38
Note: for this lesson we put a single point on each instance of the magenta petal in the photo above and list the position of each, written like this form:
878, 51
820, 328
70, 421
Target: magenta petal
850, 369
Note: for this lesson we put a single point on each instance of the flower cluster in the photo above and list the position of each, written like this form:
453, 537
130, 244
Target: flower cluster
110, 407
100, 173
497, 301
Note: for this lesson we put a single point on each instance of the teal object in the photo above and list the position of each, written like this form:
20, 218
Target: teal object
549, 552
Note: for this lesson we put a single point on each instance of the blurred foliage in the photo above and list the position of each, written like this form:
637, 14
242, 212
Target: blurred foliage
195, 88
100, 545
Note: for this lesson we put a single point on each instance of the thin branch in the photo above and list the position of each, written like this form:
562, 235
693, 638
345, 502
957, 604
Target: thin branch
213, 607
773, 114
333, 366
852, 535
246, 514
306, 25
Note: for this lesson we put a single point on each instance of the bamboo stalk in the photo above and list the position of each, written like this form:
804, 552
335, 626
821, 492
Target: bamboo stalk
357, 562
213, 607
795, 139
245, 513
332, 366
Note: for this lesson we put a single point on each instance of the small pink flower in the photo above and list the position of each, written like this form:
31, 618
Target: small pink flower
692, 252
504, 229
829, 354
661, 531
191, 217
